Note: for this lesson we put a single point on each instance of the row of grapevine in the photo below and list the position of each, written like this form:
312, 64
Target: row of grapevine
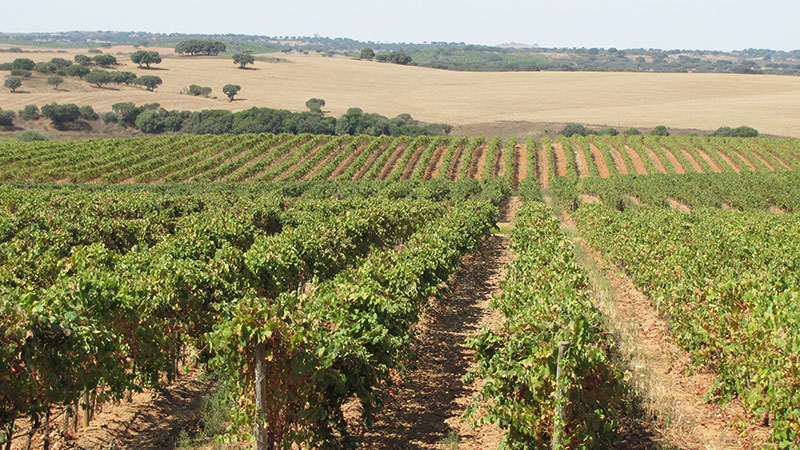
546, 300
729, 282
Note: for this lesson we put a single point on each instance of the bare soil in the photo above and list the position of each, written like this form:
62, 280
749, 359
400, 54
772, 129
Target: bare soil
500, 163
477, 163
729, 161
544, 170
619, 161
673, 160
435, 163
695, 165
455, 164
638, 164
424, 410
301, 161
763, 160
656, 160
520, 164
746, 160
342, 167
412, 163
678, 205
589, 198
560, 159
602, 164
780, 160
714, 166
583, 165
392, 161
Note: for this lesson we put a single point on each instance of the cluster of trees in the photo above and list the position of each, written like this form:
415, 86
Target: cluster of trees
152, 118
100, 77
197, 90
742, 131
200, 47
395, 57
575, 129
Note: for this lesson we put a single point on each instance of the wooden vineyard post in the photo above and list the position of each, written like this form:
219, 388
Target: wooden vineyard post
558, 422
261, 387
46, 438
85, 408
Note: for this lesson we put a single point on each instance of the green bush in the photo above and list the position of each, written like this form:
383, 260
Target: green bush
30, 112
110, 117
742, 131
574, 129
7, 118
632, 132
87, 113
198, 91
32, 135
660, 130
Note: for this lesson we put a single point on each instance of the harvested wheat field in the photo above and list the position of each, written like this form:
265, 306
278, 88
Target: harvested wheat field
705, 101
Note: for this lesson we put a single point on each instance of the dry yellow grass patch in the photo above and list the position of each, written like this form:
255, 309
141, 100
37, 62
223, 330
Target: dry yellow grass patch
705, 101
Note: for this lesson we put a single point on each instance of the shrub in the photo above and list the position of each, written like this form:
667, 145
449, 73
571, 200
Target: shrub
30, 112
150, 82
23, 64
98, 77
61, 114
607, 131
231, 90
660, 130
55, 82
200, 91
574, 129
632, 132
315, 105
367, 53
123, 77
76, 70
105, 60
110, 117
87, 113
45, 67
32, 135
150, 122
21, 73
7, 118
742, 131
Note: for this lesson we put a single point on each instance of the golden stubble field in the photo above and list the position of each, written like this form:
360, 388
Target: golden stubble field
700, 101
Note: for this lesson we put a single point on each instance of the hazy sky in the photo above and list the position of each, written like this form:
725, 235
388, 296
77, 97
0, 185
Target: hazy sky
666, 24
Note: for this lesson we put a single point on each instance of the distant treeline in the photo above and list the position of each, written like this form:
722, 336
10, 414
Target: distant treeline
151, 118
451, 55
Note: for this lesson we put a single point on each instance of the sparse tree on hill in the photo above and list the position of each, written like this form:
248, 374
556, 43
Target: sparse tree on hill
13, 83
145, 57
98, 77
231, 90
315, 105
367, 53
105, 60
243, 59
55, 82
150, 82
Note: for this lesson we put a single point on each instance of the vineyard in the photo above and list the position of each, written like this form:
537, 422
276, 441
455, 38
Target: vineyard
280, 158
302, 272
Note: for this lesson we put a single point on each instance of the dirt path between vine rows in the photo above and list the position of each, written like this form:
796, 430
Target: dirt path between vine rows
424, 409
671, 396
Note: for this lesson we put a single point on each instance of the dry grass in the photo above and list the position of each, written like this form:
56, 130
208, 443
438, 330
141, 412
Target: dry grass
705, 101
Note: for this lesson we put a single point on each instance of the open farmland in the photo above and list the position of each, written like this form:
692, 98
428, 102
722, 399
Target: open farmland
691, 101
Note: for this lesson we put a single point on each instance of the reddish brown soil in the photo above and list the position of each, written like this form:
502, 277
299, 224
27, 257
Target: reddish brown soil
661, 371
435, 163
320, 164
455, 163
778, 210
342, 167
477, 163
714, 166
412, 163
780, 160
746, 160
602, 164
673, 160
244, 166
695, 165
763, 160
656, 160
302, 160
583, 165
638, 164
391, 162
368, 163
560, 159
619, 161
426, 405
729, 161
520, 164
543, 169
